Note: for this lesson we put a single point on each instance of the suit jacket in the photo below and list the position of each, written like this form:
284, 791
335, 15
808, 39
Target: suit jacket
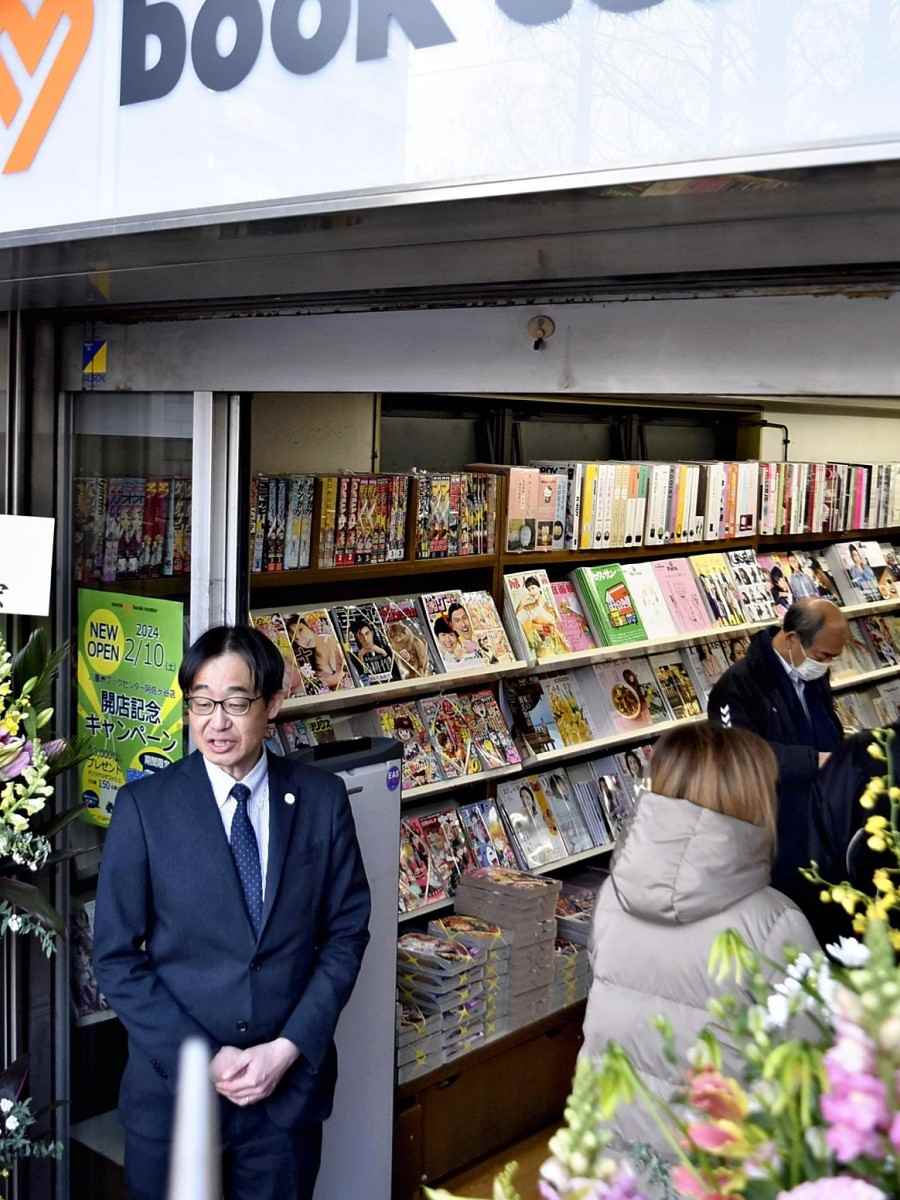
176, 956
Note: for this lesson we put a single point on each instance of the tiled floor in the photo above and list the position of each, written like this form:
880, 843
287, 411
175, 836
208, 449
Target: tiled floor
528, 1154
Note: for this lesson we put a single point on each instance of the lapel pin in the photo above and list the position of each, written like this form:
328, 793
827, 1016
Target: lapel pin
289, 797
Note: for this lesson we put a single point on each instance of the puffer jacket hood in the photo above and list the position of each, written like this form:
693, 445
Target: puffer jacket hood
683, 875
682, 863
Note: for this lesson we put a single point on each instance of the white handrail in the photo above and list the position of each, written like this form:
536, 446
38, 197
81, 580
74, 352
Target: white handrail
194, 1171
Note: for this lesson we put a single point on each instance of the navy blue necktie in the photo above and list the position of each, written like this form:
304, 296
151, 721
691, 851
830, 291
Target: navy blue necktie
245, 849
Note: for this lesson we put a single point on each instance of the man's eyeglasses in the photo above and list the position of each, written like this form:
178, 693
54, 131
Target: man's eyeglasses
235, 706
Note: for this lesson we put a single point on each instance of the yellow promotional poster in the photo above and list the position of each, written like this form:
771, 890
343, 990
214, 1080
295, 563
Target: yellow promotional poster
129, 702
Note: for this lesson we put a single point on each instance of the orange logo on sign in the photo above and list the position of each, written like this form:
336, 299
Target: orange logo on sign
31, 36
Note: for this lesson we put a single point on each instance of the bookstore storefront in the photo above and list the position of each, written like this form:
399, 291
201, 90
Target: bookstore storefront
223, 409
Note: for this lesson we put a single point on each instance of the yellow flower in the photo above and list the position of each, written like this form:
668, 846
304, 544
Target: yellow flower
859, 923
882, 881
877, 843
876, 752
825, 897
876, 824
895, 938
867, 800
894, 793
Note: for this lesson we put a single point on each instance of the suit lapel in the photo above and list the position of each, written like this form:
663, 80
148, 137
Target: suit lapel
216, 871
281, 824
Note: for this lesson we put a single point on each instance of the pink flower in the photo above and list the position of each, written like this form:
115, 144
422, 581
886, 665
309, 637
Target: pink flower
710, 1137
55, 748
14, 769
692, 1187
894, 1133
842, 1187
853, 1051
848, 1143
718, 1096
856, 1100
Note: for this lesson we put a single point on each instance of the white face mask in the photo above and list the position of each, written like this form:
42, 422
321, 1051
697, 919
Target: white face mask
810, 669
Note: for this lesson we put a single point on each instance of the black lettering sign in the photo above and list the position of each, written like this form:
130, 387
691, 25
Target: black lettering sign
139, 22
419, 20
218, 73
304, 55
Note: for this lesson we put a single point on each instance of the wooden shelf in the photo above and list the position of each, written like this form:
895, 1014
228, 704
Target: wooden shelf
827, 539
313, 576
594, 852
426, 910
402, 689
644, 733
585, 558
168, 585
861, 678
443, 786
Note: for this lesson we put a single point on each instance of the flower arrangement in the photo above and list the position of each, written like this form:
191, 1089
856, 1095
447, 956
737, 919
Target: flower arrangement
792, 1090
31, 756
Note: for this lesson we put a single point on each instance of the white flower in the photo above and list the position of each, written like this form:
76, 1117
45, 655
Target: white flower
12, 1123
15, 923
849, 951
6, 1106
800, 967
778, 1010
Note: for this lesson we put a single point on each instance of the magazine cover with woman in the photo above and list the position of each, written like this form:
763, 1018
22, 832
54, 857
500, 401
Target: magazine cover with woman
489, 731
317, 652
406, 637
451, 630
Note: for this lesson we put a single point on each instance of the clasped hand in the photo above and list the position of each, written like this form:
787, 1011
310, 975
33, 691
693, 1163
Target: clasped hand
248, 1076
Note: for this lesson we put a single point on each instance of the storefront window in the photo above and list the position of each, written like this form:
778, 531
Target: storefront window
130, 561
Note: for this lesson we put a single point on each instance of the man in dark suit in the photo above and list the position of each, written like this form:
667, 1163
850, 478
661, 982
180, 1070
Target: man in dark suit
232, 904
780, 691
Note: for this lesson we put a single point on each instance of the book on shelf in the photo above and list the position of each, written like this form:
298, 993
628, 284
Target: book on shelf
675, 684
573, 473
573, 624
682, 595
403, 722
271, 624
448, 849
361, 518
450, 736
365, 644
608, 605
612, 792
532, 719
631, 695
450, 629
633, 766
317, 651
524, 805
420, 882
490, 734
880, 639
585, 783
481, 621
708, 660
647, 594
570, 820
532, 617
861, 572
751, 585
455, 513
717, 586
407, 637
857, 655
488, 839
322, 729
567, 703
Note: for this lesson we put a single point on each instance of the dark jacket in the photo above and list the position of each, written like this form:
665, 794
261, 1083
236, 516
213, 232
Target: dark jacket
175, 953
757, 694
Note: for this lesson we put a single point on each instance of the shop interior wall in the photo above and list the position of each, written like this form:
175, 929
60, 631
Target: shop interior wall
828, 434
315, 431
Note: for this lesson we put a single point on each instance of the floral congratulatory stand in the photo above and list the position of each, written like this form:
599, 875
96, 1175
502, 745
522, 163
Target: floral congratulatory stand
810, 1111
30, 758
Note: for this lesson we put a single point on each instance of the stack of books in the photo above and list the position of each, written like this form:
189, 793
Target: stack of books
131, 528
446, 978
281, 521
362, 519
474, 932
523, 906
419, 1043
571, 973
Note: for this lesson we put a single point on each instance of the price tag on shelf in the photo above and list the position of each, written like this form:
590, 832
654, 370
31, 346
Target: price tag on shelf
26, 563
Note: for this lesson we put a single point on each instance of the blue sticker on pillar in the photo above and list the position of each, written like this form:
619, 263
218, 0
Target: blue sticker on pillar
94, 361
393, 778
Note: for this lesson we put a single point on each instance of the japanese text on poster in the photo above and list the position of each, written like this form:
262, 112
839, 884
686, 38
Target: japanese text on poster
129, 702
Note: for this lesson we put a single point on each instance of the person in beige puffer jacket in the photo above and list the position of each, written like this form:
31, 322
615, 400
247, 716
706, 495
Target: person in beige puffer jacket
695, 860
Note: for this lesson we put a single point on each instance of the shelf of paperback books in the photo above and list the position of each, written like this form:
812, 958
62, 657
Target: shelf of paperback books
861, 678
578, 749
594, 852
443, 786
401, 689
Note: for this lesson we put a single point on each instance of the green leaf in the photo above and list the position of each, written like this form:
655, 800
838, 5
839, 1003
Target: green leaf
35, 661
30, 899
77, 750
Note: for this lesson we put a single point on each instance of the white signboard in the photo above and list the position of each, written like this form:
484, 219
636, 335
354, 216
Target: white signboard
26, 562
114, 114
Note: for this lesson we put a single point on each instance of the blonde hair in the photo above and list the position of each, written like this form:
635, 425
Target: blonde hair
730, 771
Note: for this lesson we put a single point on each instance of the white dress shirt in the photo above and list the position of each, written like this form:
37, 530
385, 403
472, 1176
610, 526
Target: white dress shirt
799, 685
257, 781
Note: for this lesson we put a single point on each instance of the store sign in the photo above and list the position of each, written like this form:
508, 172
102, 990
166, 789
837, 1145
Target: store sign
129, 702
120, 112
26, 565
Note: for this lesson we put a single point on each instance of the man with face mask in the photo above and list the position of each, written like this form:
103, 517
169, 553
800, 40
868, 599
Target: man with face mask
780, 691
